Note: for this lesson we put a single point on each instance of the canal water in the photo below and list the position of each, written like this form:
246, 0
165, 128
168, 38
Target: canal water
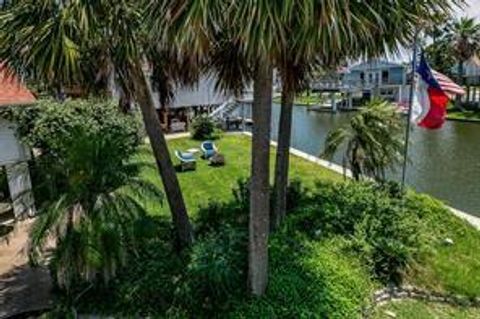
444, 163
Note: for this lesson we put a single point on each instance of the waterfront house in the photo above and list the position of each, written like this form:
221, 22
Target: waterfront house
366, 80
188, 102
471, 79
13, 154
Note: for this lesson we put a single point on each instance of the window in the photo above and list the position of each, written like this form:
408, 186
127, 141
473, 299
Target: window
385, 76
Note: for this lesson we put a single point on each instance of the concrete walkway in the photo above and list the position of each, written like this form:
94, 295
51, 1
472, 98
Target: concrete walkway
22, 288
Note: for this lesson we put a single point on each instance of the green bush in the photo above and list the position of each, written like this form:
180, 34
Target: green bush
86, 185
204, 128
146, 287
216, 273
380, 227
52, 128
46, 124
235, 213
297, 194
309, 280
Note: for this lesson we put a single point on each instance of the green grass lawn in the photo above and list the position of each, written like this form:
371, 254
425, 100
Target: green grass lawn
449, 268
208, 183
305, 99
464, 115
410, 309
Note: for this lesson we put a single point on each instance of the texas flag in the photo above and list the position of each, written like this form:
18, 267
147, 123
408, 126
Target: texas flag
432, 93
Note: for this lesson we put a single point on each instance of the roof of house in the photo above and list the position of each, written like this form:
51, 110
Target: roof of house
375, 64
12, 91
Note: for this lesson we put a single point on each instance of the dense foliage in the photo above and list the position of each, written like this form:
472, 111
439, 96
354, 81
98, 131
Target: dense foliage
338, 242
87, 187
48, 123
205, 128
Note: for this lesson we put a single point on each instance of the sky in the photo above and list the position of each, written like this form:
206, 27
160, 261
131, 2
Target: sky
473, 9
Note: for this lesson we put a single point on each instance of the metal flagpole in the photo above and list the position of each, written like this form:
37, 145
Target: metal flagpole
410, 105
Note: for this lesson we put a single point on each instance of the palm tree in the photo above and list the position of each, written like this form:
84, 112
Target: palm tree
92, 219
373, 141
49, 37
219, 27
265, 35
464, 38
358, 29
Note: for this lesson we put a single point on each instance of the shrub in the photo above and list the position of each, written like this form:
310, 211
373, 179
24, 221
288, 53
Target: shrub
373, 217
53, 127
147, 286
216, 215
86, 185
309, 280
389, 241
204, 128
297, 194
48, 123
216, 272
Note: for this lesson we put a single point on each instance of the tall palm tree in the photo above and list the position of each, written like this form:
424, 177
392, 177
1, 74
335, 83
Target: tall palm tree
263, 32
253, 28
373, 140
464, 38
358, 28
49, 37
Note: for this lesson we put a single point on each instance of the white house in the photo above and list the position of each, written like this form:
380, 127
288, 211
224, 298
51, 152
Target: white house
14, 155
366, 80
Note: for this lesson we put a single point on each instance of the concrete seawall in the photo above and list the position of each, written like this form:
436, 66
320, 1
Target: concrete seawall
472, 220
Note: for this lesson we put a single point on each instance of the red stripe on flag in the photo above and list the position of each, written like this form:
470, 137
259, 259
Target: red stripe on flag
438, 109
447, 84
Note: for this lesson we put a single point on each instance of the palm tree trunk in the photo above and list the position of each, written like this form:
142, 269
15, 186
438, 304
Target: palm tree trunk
259, 191
283, 156
458, 98
168, 175
124, 102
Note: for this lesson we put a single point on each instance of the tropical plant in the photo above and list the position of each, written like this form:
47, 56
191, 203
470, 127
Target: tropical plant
196, 26
463, 37
205, 128
373, 141
93, 218
307, 49
49, 38
284, 35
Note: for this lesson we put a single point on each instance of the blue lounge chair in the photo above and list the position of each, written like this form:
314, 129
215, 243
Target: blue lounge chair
209, 149
187, 161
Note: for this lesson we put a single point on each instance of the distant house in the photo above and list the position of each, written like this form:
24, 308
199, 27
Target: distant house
14, 155
378, 78
365, 80
189, 101
471, 80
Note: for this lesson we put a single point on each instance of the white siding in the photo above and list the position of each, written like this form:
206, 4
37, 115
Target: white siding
203, 93
11, 151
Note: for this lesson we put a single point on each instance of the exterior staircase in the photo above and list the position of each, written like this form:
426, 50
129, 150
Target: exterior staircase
224, 110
